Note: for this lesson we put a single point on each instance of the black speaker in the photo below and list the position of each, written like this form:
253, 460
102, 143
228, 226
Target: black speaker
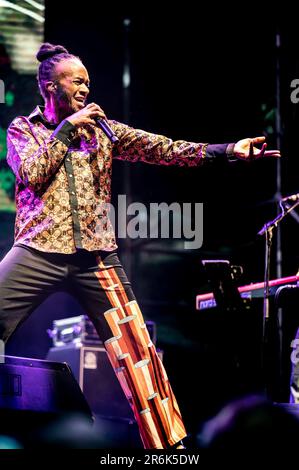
94, 373
34, 393
111, 410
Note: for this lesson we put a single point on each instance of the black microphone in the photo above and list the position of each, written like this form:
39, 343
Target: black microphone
292, 197
103, 124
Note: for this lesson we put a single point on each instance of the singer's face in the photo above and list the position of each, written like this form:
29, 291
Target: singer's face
72, 86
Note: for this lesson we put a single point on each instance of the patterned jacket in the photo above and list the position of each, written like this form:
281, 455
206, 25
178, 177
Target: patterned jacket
63, 178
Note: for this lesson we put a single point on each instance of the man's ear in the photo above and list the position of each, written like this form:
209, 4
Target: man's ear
51, 86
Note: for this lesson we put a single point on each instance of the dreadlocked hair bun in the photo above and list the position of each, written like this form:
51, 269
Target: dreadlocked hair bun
48, 50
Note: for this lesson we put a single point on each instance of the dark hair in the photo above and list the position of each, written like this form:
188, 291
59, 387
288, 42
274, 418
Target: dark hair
49, 55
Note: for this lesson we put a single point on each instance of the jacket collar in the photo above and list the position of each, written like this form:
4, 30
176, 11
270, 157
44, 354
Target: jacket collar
38, 115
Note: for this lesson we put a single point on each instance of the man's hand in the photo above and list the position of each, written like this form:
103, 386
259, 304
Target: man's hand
245, 149
86, 115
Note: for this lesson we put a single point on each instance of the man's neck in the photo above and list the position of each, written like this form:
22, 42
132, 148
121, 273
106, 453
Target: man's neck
53, 114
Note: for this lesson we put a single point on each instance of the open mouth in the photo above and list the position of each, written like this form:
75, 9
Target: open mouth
80, 100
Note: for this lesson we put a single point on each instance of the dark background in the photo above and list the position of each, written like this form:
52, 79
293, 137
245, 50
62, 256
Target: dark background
203, 76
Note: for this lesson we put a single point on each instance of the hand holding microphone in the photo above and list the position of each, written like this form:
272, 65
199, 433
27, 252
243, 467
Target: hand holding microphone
93, 114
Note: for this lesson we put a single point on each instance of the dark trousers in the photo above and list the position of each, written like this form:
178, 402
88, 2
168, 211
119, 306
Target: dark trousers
98, 281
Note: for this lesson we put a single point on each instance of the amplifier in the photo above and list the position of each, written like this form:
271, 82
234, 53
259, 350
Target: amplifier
96, 377
79, 329
100, 386
35, 394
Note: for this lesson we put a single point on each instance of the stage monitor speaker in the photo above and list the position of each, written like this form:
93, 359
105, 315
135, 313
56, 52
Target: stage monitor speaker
96, 377
34, 393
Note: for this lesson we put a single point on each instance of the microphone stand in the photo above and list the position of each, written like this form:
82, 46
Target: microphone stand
267, 229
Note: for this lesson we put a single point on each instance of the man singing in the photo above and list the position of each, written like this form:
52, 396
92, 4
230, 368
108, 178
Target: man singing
62, 160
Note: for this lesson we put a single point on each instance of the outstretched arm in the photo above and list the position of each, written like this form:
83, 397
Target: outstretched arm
137, 145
